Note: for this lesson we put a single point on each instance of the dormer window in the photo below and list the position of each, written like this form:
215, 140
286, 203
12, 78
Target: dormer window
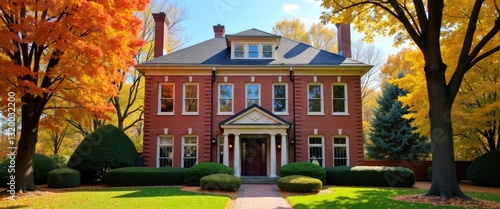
253, 51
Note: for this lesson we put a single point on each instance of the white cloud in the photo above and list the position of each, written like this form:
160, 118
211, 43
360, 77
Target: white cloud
314, 2
290, 8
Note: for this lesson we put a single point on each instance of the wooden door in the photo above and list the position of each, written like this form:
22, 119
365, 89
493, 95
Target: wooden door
253, 157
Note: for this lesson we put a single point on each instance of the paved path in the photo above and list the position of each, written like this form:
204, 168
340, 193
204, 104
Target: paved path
260, 196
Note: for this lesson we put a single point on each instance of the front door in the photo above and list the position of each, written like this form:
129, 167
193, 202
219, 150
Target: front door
253, 157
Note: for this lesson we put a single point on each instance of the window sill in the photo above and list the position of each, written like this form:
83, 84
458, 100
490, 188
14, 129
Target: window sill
315, 113
165, 113
341, 113
280, 113
190, 113
225, 113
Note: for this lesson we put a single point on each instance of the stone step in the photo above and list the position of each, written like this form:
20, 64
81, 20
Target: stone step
258, 180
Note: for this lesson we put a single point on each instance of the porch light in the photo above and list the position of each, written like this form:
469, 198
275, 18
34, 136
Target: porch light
230, 146
213, 140
279, 146
292, 141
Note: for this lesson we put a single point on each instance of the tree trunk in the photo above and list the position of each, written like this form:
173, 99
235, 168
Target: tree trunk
26, 147
444, 176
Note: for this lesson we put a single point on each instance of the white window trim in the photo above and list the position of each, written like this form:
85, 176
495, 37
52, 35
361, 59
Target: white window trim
184, 99
232, 98
159, 99
346, 112
286, 99
158, 149
182, 149
260, 92
260, 50
322, 148
341, 145
322, 112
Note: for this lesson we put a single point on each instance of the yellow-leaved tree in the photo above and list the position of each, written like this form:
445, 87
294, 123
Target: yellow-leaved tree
66, 51
475, 24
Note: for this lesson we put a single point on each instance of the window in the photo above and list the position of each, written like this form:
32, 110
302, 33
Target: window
252, 94
165, 151
267, 51
225, 98
315, 98
166, 98
340, 151
189, 148
316, 150
253, 51
339, 97
279, 98
239, 50
190, 98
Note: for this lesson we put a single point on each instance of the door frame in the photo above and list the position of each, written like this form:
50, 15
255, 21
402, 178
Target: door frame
265, 138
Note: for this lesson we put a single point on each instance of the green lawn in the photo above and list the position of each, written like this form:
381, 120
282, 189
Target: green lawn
358, 197
148, 197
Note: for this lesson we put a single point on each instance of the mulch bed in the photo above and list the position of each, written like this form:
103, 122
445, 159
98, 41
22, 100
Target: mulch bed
456, 202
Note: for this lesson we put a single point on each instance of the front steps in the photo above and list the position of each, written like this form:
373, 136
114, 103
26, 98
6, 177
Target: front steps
258, 180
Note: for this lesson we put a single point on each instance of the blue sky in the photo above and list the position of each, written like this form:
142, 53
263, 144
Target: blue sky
240, 15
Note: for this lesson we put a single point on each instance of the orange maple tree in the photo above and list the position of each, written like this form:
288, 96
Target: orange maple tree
64, 55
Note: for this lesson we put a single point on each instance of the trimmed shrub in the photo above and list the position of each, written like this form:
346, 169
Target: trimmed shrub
42, 165
485, 170
60, 159
198, 171
380, 176
429, 173
145, 176
63, 178
305, 169
299, 183
105, 148
220, 181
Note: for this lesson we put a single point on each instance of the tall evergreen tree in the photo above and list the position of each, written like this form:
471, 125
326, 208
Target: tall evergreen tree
392, 136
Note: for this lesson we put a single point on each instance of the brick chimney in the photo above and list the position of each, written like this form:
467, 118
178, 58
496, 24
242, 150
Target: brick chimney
161, 33
219, 30
344, 39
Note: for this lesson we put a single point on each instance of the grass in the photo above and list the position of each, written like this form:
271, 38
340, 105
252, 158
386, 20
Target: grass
359, 197
148, 197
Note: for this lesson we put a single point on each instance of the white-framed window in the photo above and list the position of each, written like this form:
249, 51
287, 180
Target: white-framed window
253, 51
190, 100
340, 151
252, 94
239, 50
267, 51
189, 151
226, 98
339, 99
316, 150
280, 98
315, 98
165, 151
166, 99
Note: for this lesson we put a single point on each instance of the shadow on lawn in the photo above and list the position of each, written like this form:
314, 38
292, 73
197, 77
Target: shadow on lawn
372, 198
138, 192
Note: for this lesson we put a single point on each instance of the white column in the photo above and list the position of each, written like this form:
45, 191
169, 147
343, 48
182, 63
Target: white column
237, 159
225, 156
284, 150
273, 156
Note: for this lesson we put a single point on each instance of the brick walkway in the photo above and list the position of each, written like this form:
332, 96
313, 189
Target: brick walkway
260, 196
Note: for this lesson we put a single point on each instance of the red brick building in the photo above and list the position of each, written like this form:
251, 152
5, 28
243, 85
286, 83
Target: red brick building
253, 101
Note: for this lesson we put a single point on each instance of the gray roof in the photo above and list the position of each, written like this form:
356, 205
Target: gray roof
216, 52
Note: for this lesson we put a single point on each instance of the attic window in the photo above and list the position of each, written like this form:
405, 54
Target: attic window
253, 51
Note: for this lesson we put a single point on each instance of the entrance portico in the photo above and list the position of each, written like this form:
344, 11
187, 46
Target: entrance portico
255, 132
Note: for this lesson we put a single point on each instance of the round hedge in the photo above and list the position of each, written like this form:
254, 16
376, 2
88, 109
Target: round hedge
485, 170
42, 165
299, 183
63, 178
105, 148
198, 171
221, 182
305, 169
145, 176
